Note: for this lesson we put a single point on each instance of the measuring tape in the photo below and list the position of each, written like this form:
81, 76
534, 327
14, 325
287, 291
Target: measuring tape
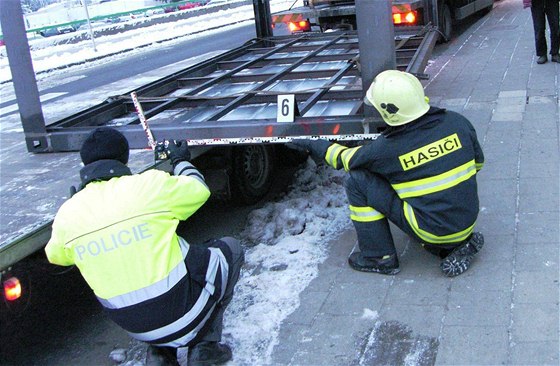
280, 140
143, 121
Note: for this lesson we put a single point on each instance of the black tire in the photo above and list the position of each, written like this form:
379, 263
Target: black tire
445, 24
252, 172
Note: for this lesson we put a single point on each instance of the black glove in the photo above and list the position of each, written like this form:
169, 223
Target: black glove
317, 148
178, 151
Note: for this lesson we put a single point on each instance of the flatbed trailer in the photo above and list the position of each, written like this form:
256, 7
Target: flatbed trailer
232, 98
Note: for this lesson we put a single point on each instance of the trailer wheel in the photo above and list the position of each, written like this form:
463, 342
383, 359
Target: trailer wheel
446, 24
253, 167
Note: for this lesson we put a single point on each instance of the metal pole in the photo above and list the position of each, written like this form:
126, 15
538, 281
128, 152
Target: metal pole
89, 25
376, 37
263, 21
23, 76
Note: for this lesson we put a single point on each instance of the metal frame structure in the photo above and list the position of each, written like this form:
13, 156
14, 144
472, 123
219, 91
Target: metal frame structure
232, 99
234, 95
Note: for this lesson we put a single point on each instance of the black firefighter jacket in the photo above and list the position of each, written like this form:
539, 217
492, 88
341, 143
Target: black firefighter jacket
431, 163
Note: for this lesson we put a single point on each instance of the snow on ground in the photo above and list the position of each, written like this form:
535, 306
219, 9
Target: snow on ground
286, 240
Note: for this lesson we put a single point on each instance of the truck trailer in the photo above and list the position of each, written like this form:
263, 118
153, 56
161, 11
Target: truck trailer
332, 15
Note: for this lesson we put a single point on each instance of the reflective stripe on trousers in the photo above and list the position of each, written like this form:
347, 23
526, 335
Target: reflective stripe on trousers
217, 259
365, 214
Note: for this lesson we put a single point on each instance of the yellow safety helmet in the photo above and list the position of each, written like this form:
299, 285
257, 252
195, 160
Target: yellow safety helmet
398, 96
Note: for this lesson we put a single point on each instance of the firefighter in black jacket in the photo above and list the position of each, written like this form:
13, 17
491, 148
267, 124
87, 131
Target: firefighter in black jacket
420, 174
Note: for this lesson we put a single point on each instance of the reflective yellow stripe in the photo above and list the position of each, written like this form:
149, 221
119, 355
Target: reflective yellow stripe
479, 166
365, 214
436, 183
332, 154
429, 237
347, 155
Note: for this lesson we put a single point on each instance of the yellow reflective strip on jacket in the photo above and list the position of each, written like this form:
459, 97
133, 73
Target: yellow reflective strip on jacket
347, 156
332, 154
429, 237
365, 214
479, 166
436, 183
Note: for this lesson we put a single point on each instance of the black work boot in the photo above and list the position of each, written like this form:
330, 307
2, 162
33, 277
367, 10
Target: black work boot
388, 264
161, 356
209, 353
460, 258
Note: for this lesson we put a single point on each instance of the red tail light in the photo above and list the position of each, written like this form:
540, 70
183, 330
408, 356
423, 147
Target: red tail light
409, 18
12, 289
301, 26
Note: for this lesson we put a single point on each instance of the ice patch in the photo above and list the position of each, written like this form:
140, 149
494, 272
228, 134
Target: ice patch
370, 314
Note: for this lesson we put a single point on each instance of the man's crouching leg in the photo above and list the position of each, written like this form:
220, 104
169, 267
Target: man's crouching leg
209, 351
377, 253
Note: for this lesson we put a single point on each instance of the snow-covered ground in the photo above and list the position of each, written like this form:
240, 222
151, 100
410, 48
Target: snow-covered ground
286, 240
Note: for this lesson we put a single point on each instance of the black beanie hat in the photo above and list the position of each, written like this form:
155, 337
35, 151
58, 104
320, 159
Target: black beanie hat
104, 143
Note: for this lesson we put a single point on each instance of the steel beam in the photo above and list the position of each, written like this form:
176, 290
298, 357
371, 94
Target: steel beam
23, 76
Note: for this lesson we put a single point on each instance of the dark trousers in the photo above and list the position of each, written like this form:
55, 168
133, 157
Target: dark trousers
213, 333
541, 11
365, 189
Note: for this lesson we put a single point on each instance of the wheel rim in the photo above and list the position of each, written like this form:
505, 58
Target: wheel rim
255, 163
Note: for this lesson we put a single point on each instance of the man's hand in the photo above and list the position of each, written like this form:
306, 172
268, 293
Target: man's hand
317, 148
178, 151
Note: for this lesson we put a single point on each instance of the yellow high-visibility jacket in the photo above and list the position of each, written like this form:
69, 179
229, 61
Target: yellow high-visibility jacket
120, 233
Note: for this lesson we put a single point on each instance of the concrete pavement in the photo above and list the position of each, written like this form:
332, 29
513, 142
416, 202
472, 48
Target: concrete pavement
502, 311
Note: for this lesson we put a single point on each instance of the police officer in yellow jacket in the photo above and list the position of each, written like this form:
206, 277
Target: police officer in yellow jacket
420, 174
119, 229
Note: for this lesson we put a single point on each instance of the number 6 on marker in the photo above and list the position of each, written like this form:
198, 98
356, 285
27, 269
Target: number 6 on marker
285, 111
